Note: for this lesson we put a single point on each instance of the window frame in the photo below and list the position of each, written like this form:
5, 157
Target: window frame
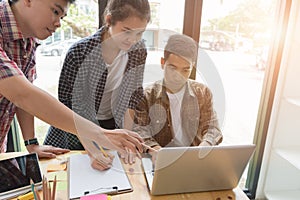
267, 96
191, 27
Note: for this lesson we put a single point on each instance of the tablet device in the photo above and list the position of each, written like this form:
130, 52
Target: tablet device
15, 175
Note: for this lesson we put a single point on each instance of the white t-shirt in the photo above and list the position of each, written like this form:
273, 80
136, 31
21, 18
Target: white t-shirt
111, 90
180, 139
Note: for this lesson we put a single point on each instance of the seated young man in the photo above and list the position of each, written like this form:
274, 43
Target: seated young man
177, 111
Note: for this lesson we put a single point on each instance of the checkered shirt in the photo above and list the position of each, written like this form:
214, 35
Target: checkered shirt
82, 82
17, 57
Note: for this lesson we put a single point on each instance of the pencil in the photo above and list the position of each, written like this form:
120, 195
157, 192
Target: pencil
54, 188
37, 194
49, 192
44, 188
32, 189
100, 148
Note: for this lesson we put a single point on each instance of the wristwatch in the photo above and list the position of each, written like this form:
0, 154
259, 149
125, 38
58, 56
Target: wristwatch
31, 141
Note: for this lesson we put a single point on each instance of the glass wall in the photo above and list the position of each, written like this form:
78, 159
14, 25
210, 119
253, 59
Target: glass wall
233, 57
162, 25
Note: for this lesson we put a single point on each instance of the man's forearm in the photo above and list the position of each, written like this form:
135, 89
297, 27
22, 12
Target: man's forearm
42, 105
26, 122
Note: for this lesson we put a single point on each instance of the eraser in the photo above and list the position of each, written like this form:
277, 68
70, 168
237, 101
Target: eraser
95, 197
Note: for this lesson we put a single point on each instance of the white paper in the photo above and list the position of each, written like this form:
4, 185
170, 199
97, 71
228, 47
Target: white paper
83, 178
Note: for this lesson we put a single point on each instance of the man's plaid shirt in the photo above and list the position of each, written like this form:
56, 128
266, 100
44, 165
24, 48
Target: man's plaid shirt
17, 57
199, 120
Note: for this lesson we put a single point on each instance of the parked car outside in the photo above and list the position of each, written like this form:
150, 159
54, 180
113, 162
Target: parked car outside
217, 41
65, 51
262, 58
56, 48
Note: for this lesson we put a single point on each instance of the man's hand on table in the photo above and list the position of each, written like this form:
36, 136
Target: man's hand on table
46, 151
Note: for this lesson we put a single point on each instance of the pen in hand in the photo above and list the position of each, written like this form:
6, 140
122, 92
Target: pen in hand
100, 149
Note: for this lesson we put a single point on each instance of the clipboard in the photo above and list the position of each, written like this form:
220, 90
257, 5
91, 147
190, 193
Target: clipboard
84, 180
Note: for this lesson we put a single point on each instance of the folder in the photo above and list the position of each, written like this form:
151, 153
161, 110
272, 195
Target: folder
84, 180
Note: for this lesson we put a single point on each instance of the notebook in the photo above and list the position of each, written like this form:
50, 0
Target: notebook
15, 175
196, 169
84, 180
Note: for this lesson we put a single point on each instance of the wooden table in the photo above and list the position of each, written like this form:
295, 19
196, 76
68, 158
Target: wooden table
138, 181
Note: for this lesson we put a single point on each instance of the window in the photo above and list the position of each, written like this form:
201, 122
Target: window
235, 40
162, 25
57, 36
233, 57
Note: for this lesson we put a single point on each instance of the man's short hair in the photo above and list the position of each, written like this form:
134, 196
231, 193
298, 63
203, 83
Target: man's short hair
14, 1
183, 46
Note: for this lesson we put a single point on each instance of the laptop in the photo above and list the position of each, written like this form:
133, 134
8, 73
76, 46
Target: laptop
15, 175
196, 169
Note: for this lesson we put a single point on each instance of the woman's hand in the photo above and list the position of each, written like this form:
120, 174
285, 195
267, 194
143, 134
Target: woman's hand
100, 161
121, 140
128, 141
129, 157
